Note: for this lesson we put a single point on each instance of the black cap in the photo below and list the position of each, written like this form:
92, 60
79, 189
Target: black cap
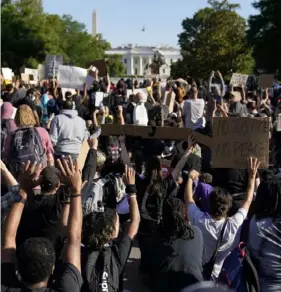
50, 178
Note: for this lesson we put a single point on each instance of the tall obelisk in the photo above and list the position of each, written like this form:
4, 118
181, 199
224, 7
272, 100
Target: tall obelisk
94, 24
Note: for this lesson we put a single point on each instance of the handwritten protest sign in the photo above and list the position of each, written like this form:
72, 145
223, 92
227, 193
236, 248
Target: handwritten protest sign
237, 138
234, 139
71, 77
52, 65
238, 79
266, 80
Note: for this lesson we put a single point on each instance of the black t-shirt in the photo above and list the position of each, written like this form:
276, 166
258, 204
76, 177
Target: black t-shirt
120, 251
177, 264
67, 278
41, 217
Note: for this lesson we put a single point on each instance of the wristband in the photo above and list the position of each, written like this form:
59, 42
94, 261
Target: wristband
131, 189
75, 196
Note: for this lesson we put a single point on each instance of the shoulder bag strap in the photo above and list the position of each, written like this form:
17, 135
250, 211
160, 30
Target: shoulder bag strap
219, 241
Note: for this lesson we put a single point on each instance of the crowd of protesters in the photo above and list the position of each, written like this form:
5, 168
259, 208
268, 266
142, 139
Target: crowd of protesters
198, 228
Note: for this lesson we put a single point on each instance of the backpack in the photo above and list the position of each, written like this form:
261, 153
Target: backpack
238, 271
140, 116
100, 273
26, 145
5, 130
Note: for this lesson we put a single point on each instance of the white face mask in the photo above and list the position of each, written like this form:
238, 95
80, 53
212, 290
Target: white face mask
33, 98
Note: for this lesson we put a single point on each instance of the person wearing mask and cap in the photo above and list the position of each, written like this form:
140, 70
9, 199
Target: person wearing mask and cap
42, 214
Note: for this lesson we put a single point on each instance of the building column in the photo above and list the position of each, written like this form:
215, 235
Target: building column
141, 67
132, 66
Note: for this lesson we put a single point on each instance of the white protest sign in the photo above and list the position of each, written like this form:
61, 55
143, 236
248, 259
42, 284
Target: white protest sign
238, 79
98, 98
52, 65
142, 90
71, 77
7, 74
64, 90
41, 72
33, 72
89, 81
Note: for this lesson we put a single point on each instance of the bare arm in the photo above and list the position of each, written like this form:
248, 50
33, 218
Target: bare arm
74, 225
8, 254
188, 189
120, 116
129, 180
253, 165
108, 83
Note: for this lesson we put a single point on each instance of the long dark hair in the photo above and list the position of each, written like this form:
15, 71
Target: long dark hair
174, 224
268, 199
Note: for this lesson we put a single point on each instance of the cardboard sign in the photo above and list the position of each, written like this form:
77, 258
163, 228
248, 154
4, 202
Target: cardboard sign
52, 65
101, 65
266, 80
233, 141
7, 74
238, 138
238, 79
154, 133
24, 77
71, 77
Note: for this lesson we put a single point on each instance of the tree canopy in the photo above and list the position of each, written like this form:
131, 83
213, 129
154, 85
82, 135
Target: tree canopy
214, 39
29, 34
265, 34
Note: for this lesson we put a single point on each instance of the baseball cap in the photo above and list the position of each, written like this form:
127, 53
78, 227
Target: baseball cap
50, 178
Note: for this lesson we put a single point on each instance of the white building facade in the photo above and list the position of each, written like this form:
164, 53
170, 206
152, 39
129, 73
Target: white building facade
137, 58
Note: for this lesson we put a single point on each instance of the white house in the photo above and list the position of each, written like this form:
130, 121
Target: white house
137, 58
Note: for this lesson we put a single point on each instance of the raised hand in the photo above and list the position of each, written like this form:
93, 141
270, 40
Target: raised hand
129, 177
29, 177
71, 173
253, 166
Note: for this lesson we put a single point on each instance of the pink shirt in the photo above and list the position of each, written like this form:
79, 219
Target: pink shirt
46, 141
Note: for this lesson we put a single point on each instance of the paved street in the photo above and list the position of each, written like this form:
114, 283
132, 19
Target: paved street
132, 278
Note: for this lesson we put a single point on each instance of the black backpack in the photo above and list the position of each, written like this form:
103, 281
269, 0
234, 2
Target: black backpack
5, 130
100, 271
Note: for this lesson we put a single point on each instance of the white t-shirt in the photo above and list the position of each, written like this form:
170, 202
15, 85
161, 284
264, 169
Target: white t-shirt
193, 111
211, 230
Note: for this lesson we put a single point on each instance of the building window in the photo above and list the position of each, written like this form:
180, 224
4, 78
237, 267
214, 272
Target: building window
125, 61
136, 61
164, 71
136, 71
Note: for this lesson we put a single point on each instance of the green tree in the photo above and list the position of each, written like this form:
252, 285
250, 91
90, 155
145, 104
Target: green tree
265, 34
29, 34
115, 67
214, 39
